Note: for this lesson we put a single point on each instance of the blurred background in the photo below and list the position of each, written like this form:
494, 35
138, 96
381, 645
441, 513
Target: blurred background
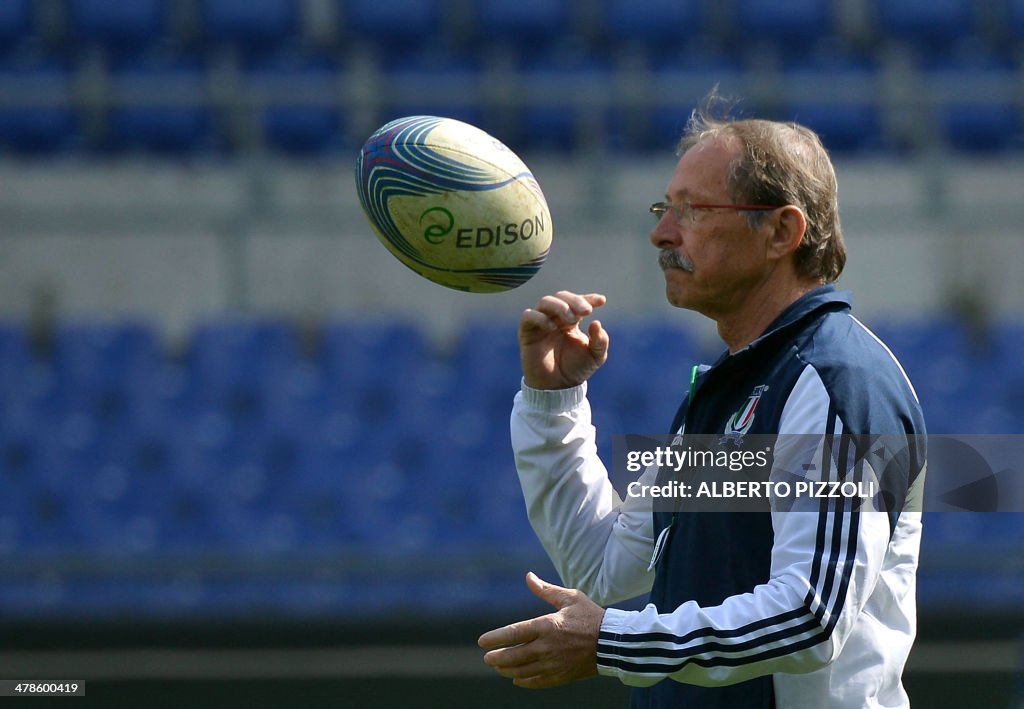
246, 456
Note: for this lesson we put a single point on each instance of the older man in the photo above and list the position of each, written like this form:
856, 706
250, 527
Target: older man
811, 606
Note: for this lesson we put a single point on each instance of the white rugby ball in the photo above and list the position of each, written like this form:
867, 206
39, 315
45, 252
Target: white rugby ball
454, 204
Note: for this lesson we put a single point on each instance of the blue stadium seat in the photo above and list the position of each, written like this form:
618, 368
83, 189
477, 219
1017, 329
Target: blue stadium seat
1015, 17
256, 26
232, 363
25, 454
386, 498
918, 341
1004, 377
679, 82
567, 104
936, 356
160, 107
645, 378
394, 26
981, 128
117, 25
433, 83
486, 362
299, 103
15, 354
843, 128
926, 24
38, 115
501, 507
38, 516
976, 110
16, 23
319, 518
105, 366
656, 24
836, 98
789, 24
524, 23
1007, 345
357, 353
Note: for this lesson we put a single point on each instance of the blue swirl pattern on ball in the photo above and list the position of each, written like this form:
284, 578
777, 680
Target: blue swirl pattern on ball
397, 161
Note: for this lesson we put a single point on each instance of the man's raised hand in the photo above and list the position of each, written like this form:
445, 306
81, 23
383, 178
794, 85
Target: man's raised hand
555, 352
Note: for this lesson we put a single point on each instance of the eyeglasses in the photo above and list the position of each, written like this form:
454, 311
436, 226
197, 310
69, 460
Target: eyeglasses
686, 211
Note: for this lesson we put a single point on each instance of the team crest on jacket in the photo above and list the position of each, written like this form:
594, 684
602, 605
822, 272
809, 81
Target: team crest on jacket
741, 421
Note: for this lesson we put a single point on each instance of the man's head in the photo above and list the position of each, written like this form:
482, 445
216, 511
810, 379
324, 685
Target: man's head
783, 163
753, 208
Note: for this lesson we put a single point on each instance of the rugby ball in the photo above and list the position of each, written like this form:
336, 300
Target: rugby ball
454, 204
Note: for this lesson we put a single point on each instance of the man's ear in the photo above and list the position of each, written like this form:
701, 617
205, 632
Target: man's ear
788, 227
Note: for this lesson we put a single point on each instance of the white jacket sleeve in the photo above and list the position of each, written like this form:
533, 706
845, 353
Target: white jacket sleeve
826, 560
598, 543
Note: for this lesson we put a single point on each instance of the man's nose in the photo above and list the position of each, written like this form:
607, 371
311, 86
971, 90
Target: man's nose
665, 235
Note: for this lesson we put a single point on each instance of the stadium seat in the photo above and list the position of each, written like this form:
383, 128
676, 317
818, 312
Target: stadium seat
657, 24
37, 516
1015, 17
434, 84
975, 108
564, 103
419, 23
355, 353
836, 98
843, 128
486, 362
15, 354
159, 106
789, 24
104, 366
501, 507
25, 454
117, 25
984, 128
639, 388
298, 100
232, 362
679, 82
925, 24
524, 23
38, 115
15, 23
254, 26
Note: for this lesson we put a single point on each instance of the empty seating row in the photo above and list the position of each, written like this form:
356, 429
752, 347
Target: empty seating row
257, 24
99, 505
270, 372
315, 76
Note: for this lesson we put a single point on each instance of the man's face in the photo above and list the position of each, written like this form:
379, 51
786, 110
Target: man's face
727, 256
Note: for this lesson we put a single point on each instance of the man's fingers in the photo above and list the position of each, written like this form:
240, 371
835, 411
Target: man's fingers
507, 658
564, 311
508, 636
535, 320
531, 669
568, 308
598, 341
557, 596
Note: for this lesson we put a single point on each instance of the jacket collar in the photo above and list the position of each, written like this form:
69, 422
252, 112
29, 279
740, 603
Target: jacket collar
820, 300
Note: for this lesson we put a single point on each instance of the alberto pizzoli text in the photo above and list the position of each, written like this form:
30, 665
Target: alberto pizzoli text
678, 459
733, 489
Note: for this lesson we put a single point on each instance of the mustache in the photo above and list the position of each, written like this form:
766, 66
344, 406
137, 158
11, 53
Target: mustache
670, 258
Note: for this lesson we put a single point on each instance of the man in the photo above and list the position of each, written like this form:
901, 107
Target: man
812, 607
